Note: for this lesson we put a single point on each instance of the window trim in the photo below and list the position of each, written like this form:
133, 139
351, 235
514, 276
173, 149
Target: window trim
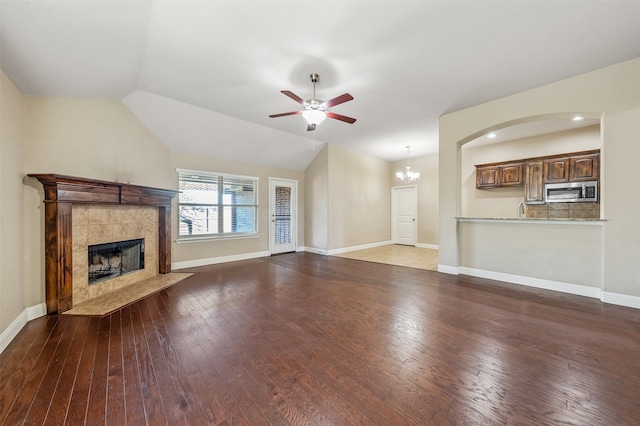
226, 235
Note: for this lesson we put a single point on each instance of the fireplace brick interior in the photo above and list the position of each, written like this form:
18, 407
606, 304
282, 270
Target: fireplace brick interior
99, 224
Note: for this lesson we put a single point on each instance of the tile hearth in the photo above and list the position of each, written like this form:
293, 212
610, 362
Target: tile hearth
114, 300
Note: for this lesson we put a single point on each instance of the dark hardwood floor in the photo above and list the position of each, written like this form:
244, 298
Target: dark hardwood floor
312, 340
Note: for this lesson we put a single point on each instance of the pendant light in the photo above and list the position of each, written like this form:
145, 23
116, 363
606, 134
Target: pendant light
407, 176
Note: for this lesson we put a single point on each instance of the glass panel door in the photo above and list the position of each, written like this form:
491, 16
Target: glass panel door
282, 214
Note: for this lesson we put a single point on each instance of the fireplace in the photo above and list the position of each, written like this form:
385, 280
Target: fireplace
103, 226
81, 212
111, 260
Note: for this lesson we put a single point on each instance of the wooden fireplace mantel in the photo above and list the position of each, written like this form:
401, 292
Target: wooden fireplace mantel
60, 193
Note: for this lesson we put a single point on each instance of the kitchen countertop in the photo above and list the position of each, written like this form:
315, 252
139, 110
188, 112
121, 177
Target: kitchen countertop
532, 220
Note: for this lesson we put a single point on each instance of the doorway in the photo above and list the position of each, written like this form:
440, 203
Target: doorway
404, 210
283, 202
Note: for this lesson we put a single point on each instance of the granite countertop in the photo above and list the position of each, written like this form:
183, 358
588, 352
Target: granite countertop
530, 220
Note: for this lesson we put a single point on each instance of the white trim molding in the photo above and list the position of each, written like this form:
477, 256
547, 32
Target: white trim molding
221, 259
446, 269
30, 313
577, 289
621, 299
315, 250
428, 246
360, 247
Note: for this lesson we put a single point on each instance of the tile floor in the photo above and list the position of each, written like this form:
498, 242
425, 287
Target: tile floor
395, 254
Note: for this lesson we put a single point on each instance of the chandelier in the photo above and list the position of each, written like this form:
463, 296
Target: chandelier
408, 176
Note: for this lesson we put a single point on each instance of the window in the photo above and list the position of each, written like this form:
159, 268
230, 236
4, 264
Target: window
216, 205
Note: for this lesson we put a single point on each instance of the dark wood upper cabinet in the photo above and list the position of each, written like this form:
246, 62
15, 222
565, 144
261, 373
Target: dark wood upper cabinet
501, 174
584, 167
487, 177
511, 174
533, 173
534, 182
556, 170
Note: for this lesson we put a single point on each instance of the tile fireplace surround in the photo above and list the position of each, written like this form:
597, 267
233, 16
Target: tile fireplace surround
81, 211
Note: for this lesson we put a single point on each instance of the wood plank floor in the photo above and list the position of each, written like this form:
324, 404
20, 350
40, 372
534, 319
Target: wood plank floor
305, 339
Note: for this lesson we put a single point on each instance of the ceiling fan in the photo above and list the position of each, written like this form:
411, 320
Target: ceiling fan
315, 110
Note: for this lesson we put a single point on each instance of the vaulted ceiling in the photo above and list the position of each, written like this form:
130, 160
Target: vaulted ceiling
205, 75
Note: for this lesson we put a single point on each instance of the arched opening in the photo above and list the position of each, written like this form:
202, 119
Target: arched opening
516, 140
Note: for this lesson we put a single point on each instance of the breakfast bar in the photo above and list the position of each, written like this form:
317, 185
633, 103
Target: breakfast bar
556, 254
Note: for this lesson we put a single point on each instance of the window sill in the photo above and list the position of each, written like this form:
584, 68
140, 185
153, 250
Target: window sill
206, 238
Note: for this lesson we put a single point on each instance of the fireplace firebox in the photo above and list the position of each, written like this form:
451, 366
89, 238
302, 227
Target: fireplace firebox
112, 260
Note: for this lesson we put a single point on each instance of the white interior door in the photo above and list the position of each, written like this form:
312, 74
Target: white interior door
404, 209
283, 221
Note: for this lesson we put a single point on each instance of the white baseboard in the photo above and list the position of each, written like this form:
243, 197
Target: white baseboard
331, 252
621, 299
428, 246
21, 320
360, 247
221, 259
315, 250
579, 290
451, 270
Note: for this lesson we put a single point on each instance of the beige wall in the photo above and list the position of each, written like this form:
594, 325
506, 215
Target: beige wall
613, 92
91, 138
503, 202
94, 138
359, 199
348, 200
524, 249
622, 231
316, 202
427, 194
197, 250
12, 122
102, 139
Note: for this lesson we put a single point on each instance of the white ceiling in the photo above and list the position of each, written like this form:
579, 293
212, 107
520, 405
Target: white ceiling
205, 75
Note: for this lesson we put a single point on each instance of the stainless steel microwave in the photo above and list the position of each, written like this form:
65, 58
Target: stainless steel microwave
571, 192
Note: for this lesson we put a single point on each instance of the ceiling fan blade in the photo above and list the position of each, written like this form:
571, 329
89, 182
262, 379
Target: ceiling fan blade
339, 100
311, 127
341, 117
285, 114
293, 96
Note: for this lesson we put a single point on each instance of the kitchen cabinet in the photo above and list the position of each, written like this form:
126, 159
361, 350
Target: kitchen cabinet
573, 168
499, 175
533, 173
511, 174
534, 182
584, 167
556, 170
487, 176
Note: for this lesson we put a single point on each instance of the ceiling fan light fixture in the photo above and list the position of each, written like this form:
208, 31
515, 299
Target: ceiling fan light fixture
314, 116
315, 110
